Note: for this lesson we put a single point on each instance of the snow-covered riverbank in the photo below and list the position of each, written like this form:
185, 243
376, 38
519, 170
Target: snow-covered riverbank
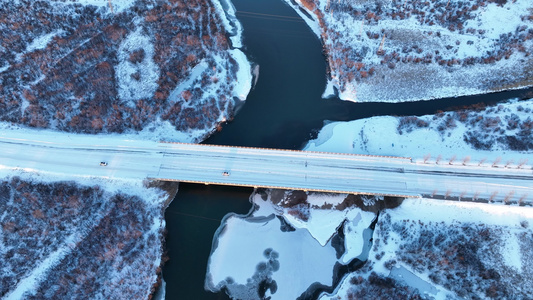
117, 69
447, 249
435, 248
130, 71
393, 51
500, 135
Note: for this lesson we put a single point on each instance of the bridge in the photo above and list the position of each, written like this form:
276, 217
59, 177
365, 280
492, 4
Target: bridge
80, 155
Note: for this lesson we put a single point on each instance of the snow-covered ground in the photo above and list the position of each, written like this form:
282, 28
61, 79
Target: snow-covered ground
392, 51
65, 237
285, 245
498, 135
132, 70
444, 249
94, 237
450, 249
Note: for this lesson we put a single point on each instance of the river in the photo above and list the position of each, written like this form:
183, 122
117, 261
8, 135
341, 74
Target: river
284, 110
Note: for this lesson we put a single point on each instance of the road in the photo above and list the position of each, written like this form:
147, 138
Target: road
78, 155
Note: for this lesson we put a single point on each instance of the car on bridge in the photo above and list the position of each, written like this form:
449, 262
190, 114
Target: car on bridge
225, 173
103, 163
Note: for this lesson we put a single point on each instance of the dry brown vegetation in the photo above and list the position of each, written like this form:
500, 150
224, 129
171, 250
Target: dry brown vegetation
353, 35
71, 83
464, 258
111, 253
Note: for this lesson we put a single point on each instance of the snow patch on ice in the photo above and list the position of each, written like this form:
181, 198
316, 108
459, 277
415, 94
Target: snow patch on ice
240, 243
330, 90
355, 234
241, 247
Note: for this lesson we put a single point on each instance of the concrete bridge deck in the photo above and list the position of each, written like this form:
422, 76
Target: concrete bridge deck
255, 167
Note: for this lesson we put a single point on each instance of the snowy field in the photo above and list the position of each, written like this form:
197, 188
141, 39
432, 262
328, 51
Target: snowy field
498, 135
393, 51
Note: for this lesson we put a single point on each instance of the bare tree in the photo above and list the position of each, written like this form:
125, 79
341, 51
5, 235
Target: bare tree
466, 160
452, 160
496, 162
521, 200
522, 162
494, 194
426, 158
508, 198
508, 163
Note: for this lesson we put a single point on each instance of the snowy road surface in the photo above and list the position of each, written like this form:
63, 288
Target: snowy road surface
80, 155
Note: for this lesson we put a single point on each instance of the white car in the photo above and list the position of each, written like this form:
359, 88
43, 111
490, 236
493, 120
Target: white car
103, 163
225, 173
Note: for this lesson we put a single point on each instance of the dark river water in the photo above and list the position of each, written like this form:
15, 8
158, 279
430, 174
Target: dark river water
283, 111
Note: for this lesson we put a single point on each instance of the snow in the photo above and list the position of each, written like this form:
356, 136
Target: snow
463, 214
226, 10
159, 130
195, 73
42, 41
334, 23
130, 89
510, 251
240, 244
118, 6
507, 17
403, 274
38, 43
30, 283
5, 68
422, 213
380, 136
153, 198
311, 22
244, 75
428, 210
